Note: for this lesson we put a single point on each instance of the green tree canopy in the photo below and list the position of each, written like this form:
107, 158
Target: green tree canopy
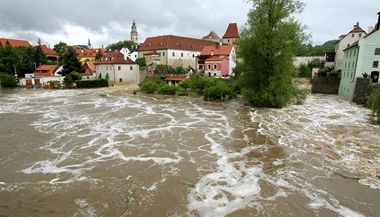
307, 49
266, 48
121, 44
70, 62
99, 55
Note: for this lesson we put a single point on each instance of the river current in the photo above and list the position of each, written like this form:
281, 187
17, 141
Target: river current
107, 152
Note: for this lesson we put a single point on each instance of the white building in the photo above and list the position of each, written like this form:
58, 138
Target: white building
172, 50
117, 69
346, 41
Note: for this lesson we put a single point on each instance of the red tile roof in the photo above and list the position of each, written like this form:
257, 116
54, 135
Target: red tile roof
232, 31
14, 42
174, 42
90, 68
216, 58
46, 70
357, 29
48, 51
114, 58
87, 53
217, 50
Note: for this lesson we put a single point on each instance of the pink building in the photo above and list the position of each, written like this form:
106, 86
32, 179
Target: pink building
217, 61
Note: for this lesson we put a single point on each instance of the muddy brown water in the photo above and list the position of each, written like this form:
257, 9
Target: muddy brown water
106, 152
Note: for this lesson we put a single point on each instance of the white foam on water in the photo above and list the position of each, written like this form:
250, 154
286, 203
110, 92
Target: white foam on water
86, 209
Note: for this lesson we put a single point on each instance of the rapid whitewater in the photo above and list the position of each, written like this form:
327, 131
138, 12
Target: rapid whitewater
107, 152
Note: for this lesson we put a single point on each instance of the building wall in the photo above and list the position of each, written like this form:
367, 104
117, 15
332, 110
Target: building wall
229, 41
215, 69
357, 61
175, 57
348, 75
298, 61
344, 43
119, 73
232, 61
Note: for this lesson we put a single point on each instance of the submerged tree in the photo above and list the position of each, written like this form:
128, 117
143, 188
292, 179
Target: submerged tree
70, 62
266, 48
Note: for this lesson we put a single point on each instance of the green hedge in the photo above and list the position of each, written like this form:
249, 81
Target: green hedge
8, 80
167, 89
92, 83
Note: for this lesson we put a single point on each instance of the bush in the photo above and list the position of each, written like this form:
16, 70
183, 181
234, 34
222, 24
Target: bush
316, 63
300, 96
150, 84
55, 83
304, 71
185, 84
374, 104
219, 91
8, 80
92, 83
141, 62
167, 89
70, 78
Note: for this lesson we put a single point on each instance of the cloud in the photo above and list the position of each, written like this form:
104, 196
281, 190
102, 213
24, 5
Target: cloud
104, 22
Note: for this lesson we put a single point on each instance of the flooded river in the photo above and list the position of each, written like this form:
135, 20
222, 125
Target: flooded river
106, 152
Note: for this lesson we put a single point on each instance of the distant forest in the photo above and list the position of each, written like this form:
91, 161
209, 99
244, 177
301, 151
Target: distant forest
317, 50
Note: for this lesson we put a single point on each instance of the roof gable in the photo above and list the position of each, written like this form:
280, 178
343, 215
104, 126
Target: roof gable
224, 50
232, 31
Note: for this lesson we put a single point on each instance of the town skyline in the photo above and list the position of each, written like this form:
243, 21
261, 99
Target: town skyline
75, 26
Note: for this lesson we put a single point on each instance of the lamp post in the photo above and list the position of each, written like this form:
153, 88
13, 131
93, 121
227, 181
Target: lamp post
14, 66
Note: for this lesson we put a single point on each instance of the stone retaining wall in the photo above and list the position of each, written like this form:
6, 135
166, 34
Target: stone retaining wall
325, 85
362, 90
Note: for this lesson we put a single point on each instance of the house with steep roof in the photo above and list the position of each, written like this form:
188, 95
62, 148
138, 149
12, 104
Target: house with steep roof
346, 41
50, 53
213, 37
362, 57
172, 50
46, 70
117, 69
232, 34
90, 70
217, 61
14, 42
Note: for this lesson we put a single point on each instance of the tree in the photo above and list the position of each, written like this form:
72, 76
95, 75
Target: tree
7, 80
60, 47
119, 45
266, 48
39, 56
99, 55
141, 62
70, 62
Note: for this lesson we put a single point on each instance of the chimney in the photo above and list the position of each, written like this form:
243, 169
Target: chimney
378, 21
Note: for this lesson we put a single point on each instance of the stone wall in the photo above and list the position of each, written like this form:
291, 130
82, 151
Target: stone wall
362, 90
325, 85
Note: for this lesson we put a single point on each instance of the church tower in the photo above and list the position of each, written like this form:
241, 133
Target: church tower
134, 33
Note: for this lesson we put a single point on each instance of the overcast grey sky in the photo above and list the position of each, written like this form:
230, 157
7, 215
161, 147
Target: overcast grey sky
108, 21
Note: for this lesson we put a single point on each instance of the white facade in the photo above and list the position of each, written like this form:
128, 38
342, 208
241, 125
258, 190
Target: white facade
344, 43
298, 61
119, 73
175, 58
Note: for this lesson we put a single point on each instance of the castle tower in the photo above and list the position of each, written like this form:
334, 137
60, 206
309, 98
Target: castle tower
134, 33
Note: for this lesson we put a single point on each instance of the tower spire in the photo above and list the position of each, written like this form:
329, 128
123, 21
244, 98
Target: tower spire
134, 33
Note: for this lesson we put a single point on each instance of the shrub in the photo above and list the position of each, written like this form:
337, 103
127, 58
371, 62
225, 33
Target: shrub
374, 104
92, 83
141, 62
219, 91
150, 84
299, 96
304, 71
76, 76
55, 83
316, 63
68, 81
8, 80
167, 89
185, 84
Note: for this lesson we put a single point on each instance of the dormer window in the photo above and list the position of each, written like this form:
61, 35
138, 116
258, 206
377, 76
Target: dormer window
177, 44
161, 44
149, 45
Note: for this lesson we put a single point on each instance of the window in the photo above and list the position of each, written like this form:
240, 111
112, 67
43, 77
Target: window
181, 54
214, 74
348, 45
193, 55
352, 35
119, 68
349, 65
121, 80
377, 51
360, 34
215, 66
173, 54
159, 53
131, 67
375, 64
163, 53
209, 66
